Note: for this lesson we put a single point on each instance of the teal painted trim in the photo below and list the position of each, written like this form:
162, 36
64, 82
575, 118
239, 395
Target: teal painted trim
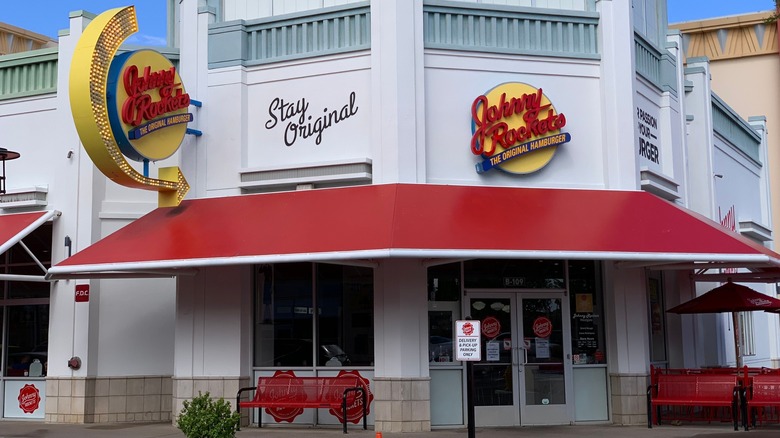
669, 72
729, 125
28, 73
647, 60
326, 31
473, 27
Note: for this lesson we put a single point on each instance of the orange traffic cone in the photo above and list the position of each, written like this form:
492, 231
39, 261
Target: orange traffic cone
379, 435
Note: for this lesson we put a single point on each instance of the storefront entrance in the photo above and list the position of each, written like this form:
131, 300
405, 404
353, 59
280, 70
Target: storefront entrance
524, 377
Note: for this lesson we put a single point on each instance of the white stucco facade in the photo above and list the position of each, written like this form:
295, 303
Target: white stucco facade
393, 104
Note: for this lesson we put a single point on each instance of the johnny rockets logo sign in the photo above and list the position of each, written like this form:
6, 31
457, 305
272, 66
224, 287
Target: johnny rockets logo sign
29, 399
131, 106
146, 96
516, 129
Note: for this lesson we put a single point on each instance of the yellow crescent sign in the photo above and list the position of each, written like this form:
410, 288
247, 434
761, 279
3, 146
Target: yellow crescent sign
89, 83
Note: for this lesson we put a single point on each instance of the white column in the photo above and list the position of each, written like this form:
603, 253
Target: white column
397, 91
401, 377
213, 333
628, 343
616, 36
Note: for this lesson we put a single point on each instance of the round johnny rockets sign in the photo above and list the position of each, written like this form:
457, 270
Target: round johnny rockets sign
147, 105
129, 106
516, 129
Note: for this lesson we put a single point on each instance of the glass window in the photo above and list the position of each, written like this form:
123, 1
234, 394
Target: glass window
657, 320
516, 274
28, 338
283, 337
587, 309
285, 317
345, 299
24, 308
444, 293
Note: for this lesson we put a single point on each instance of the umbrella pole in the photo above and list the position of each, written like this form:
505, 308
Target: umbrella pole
737, 347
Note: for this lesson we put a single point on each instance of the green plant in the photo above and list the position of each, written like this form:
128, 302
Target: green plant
206, 418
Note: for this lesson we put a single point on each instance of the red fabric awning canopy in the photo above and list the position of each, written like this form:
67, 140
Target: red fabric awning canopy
415, 220
14, 227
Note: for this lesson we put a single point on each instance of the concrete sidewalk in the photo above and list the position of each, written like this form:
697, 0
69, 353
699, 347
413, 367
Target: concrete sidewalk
15, 429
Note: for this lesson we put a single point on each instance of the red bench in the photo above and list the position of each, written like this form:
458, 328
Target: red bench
289, 391
706, 390
763, 390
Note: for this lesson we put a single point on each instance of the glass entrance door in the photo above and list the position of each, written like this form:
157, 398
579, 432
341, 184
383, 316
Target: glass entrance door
544, 371
523, 376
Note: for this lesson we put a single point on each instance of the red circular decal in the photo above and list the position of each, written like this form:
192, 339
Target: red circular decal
29, 399
491, 327
542, 327
292, 391
468, 329
355, 407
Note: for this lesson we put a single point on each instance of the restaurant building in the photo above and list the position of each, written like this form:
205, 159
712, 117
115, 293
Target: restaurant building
357, 177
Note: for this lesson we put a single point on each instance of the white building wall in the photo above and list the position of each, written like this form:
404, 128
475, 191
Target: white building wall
454, 79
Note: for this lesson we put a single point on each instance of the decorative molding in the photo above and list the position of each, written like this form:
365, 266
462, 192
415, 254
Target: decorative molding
659, 185
755, 231
729, 125
28, 73
324, 31
24, 198
736, 36
512, 30
292, 178
657, 66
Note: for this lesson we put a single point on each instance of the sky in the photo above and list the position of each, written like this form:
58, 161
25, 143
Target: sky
690, 10
48, 17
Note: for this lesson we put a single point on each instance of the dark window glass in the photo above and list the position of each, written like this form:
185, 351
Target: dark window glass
345, 299
444, 282
28, 336
657, 321
38, 242
283, 336
520, 274
587, 310
285, 316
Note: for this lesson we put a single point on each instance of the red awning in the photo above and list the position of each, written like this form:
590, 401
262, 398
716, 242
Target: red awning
420, 221
15, 227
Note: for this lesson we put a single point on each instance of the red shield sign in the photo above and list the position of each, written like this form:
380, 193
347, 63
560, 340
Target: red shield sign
29, 399
291, 391
542, 327
491, 327
355, 409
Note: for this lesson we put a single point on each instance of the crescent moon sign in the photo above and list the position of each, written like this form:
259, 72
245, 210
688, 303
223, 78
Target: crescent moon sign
89, 75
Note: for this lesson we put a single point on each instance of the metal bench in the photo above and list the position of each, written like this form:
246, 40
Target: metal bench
707, 390
289, 391
763, 390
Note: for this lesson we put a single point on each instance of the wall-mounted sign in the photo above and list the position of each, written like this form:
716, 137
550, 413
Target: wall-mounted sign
29, 398
647, 125
516, 129
82, 293
23, 398
729, 222
297, 123
129, 106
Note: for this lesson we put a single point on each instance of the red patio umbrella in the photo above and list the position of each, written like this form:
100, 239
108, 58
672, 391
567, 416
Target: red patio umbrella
729, 297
